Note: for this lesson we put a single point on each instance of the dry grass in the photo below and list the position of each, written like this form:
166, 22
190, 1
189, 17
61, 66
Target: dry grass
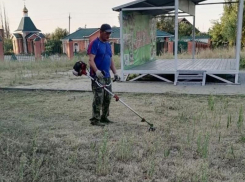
46, 136
218, 53
26, 73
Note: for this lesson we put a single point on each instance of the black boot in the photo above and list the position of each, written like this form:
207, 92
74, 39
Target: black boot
105, 120
96, 122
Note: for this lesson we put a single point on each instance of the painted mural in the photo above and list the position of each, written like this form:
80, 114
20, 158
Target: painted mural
139, 35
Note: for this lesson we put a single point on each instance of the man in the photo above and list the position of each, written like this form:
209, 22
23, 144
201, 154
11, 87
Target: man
101, 62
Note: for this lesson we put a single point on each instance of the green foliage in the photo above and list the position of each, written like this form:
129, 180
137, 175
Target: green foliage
242, 62
240, 119
228, 121
102, 163
216, 36
211, 102
58, 34
167, 24
185, 29
224, 31
203, 145
166, 152
124, 149
8, 46
229, 23
54, 44
242, 139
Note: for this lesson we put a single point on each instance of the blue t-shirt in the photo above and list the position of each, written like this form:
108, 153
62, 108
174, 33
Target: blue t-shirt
103, 54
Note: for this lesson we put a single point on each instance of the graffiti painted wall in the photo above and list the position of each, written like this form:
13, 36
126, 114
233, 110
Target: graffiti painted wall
139, 36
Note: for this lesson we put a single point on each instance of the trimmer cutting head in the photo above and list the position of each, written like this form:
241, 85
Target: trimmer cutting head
152, 128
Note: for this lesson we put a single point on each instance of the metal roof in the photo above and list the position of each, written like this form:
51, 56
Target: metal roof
37, 39
163, 34
18, 36
85, 33
37, 34
151, 4
115, 33
81, 33
26, 25
188, 38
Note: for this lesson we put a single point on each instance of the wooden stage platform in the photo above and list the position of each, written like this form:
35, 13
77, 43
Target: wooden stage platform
211, 67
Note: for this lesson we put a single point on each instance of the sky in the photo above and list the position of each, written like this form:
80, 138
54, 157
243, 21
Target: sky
47, 15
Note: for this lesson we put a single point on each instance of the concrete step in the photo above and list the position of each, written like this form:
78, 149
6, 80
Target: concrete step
189, 83
191, 71
190, 77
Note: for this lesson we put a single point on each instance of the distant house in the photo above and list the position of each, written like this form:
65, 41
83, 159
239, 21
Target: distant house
83, 36
199, 38
163, 36
25, 36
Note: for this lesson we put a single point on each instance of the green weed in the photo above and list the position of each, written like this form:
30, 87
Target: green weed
124, 149
228, 121
203, 145
211, 102
102, 162
240, 119
242, 139
152, 167
166, 152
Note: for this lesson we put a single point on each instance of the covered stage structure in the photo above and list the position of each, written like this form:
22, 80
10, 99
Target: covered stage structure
138, 43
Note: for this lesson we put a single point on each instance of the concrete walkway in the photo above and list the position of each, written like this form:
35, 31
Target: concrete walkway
71, 83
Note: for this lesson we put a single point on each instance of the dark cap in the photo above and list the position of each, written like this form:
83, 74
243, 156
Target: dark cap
106, 28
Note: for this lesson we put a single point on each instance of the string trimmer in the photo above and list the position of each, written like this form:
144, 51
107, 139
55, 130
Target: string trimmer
80, 68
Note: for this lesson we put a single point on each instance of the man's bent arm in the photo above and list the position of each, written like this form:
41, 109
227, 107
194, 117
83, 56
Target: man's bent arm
92, 63
113, 68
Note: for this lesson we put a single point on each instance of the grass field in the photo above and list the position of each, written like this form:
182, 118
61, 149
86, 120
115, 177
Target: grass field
39, 72
46, 136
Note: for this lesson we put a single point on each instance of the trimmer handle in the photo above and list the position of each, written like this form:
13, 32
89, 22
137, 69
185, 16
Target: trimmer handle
103, 72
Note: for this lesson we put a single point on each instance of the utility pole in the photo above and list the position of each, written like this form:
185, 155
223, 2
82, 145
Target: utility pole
69, 23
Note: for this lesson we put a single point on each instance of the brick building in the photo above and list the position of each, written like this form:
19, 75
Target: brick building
83, 36
24, 37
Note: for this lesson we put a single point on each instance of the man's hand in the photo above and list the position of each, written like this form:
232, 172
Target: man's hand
99, 74
116, 77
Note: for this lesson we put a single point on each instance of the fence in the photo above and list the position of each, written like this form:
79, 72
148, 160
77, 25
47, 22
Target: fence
21, 58
116, 49
162, 48
29, 58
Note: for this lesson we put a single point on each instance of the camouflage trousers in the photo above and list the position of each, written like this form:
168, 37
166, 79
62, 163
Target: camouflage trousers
101, 99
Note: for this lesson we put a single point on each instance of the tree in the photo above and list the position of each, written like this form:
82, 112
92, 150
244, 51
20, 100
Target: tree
167, 24
215, 33
58, 34
6, 24
224, 31
8, 46
229, 23
54, 44
47, 36
185, 29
